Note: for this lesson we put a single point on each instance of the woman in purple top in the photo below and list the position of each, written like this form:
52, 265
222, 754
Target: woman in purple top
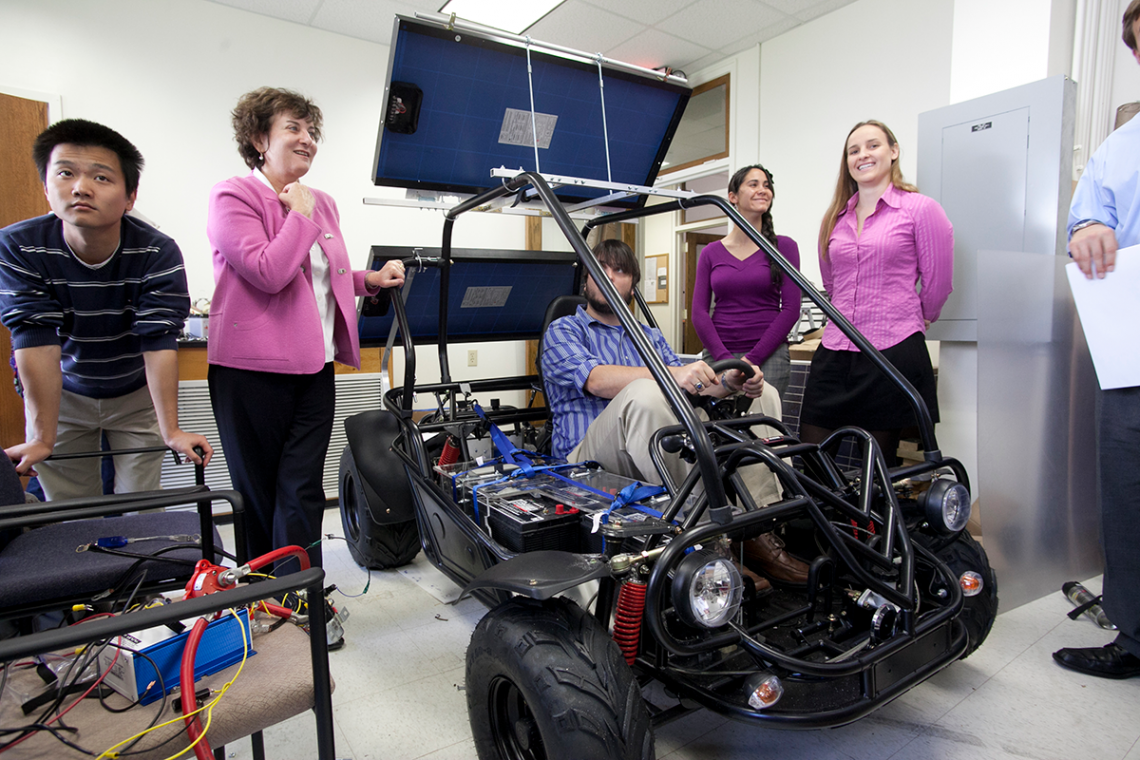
756, 306
878, 242
755, 309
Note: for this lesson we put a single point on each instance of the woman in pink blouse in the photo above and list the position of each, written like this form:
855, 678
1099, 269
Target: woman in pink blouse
284, 309
879, 242
756, 306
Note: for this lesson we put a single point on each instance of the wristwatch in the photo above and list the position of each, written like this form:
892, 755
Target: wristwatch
724, 382
1082, 225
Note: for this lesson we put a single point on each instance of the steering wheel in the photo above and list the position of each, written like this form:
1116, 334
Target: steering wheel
718, 368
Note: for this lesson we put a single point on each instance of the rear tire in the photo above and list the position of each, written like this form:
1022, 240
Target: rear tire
371, 544
545, 682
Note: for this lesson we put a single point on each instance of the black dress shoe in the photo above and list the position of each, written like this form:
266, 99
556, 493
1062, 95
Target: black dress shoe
1111, 661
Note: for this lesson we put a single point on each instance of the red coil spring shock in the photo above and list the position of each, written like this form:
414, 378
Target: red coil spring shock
627, 619
450, 453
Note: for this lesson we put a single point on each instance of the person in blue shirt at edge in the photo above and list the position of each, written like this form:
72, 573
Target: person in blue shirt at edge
95, 301
605, 405
1105, 214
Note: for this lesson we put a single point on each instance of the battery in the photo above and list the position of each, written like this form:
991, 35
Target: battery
528, 522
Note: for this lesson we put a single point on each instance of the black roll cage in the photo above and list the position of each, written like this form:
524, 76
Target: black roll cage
705, 458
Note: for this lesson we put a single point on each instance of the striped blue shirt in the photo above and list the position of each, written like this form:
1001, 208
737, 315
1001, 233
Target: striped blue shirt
103, 317
572, 347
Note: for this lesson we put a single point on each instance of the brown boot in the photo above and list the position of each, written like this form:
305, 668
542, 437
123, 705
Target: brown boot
766, 553
758, 581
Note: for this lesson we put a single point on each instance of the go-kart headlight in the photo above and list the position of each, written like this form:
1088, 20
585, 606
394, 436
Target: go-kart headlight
946, 505
707, 589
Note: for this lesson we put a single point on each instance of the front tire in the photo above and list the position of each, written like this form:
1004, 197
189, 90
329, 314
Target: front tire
372, 544
545, 682
978, 612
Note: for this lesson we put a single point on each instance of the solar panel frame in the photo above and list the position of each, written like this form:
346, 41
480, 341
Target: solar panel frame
468, 82
534, 279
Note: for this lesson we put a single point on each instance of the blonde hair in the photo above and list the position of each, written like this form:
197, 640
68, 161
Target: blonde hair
845, 185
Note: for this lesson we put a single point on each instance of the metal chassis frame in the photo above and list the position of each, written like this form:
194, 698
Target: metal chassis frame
697, 437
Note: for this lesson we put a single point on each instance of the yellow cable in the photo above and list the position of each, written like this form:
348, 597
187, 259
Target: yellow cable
110, 751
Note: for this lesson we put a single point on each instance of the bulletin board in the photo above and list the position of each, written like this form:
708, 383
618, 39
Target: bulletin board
655, 280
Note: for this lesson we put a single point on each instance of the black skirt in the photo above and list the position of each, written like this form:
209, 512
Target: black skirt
845, 388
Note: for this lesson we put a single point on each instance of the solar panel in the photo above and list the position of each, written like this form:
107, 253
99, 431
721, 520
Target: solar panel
459, 105
494, 295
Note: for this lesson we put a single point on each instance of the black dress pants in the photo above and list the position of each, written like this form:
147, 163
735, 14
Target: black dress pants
1117, 453
275, 430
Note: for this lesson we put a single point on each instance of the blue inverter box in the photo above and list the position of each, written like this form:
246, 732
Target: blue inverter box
220, 647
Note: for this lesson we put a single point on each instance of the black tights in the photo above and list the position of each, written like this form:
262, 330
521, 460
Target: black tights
888, 440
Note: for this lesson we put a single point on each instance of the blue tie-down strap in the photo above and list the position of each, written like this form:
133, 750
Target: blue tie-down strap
510, 453
630, 495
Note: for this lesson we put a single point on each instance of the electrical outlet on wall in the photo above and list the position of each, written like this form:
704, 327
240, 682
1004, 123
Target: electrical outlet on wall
472, 358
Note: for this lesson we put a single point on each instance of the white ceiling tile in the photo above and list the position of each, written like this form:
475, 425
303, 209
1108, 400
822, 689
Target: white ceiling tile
300, 11
687, 33
653, 48
763, 35
819, 9
647, 12
581, 26
364, 19
711, 23
712, 58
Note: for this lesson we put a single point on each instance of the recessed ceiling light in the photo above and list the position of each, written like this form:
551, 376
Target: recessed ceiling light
514, 16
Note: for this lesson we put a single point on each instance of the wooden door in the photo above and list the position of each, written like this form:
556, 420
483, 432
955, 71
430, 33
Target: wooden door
694, 244
21, 197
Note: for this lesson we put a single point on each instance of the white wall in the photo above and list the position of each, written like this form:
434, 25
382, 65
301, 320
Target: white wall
166, 73
873, 59
985, 58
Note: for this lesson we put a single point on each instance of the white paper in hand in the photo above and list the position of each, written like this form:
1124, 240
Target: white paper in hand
1110, 312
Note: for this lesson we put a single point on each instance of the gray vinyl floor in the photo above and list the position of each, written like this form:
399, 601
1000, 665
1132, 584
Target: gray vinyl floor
399, 690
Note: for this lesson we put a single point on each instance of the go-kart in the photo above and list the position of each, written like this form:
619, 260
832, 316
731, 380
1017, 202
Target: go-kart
897, 588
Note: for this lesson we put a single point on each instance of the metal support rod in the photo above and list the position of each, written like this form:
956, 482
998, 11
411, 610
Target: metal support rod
409, 353
444, 297
451, 23
706, 457
312, 580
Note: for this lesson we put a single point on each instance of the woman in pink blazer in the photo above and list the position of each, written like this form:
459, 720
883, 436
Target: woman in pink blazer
284, 309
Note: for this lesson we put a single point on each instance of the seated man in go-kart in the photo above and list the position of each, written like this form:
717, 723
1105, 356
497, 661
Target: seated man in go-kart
606, 406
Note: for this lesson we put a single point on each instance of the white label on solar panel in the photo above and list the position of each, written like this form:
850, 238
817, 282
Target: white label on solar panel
517, 129
481, 298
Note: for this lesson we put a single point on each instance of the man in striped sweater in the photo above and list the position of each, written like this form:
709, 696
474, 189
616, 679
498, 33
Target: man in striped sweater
95, 300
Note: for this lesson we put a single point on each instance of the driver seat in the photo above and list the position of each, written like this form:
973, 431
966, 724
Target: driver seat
561, 306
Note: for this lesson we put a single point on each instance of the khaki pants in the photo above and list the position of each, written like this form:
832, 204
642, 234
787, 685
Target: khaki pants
129, 421
619, 438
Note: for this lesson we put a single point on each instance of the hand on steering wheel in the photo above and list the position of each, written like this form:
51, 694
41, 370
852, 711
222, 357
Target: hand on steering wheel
750, 382
694, 378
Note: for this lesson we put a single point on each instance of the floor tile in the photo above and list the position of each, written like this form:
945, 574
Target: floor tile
400, 689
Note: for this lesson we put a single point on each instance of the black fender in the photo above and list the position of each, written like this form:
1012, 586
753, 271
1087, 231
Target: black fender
541, 574
370, 438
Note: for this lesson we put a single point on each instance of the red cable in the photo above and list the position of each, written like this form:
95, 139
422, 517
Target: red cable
276, 554
82, 696
193, 725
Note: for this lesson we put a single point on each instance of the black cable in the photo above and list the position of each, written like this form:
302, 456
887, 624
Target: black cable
141, 559
161, 706
153, 555
78, 666
54, 731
